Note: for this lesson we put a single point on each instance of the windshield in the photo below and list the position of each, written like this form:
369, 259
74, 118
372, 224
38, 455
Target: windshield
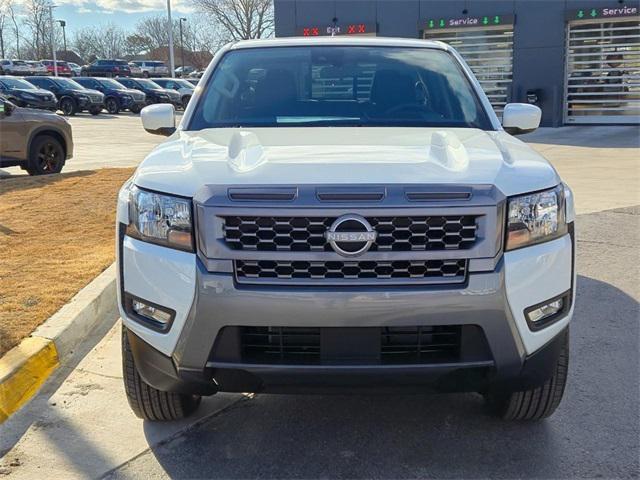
147, 83
68, 83
108, 83
338, 86
17, 83
183, 84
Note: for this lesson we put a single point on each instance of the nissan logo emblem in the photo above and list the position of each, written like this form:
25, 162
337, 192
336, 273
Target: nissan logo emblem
351, 235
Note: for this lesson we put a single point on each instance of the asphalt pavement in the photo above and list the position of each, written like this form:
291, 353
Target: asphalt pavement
80, 425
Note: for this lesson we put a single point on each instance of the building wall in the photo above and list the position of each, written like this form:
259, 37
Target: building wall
539, 35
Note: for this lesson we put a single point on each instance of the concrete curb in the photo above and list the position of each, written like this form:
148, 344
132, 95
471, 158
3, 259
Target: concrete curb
25, 368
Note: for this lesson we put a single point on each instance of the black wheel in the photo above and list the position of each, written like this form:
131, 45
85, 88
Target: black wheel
135, 109
147, 402
145, 74
112, 105
185, 101
95, 110
68, 106
46, 156
537, 403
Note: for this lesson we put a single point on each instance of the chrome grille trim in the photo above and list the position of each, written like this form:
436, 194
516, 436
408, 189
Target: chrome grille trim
304, 234
399, 272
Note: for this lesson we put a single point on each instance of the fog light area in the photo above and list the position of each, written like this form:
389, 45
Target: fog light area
150, 312
545, 311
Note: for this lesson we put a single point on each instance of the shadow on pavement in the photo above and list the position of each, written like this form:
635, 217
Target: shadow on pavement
593, 433
10, 183
587, 136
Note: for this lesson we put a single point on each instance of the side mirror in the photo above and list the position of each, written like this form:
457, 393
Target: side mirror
519, 118
159, 119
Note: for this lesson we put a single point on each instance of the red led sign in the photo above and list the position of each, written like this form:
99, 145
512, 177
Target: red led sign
331, 30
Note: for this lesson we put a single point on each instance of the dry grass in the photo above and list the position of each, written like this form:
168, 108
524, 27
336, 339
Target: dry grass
56, 235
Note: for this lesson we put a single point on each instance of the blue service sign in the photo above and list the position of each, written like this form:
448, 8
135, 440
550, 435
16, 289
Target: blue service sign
437, 23
604, 12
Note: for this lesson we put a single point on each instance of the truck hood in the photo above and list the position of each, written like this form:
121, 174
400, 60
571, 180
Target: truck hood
336, 155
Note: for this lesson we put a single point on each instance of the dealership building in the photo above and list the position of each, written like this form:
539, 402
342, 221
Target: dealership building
578, 60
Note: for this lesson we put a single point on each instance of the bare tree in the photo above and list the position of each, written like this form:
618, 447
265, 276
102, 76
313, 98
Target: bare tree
38, 30
100, 42
16, 31
240, 19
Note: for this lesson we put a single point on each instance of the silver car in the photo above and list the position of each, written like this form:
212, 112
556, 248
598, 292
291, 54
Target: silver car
152, 68
36, 68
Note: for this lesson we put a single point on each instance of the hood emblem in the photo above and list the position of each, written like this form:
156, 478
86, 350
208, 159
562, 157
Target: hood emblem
351, 235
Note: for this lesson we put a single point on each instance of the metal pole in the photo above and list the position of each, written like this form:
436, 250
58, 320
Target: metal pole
172, 63
53, 43
182, 44
63, 24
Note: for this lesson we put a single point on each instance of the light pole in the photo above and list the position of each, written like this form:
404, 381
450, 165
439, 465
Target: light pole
63, 24
172, 63
182, 44
53, 43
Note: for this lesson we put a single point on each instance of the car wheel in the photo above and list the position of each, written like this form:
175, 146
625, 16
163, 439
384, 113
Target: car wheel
112, 105
150, 403
185, 101
135, 109
68, 107
46, 156
537, 403
145, 74
95, 111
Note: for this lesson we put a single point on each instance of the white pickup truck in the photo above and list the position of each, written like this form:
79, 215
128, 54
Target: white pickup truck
344, 214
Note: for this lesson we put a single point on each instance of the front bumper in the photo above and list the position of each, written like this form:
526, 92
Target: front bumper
184, 358
41, 104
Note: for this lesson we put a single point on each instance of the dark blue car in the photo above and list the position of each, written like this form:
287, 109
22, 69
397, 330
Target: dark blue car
24, 94
116, 96
154, 92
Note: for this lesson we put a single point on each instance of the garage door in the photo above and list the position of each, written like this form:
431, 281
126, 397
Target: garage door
489, 53
603, 71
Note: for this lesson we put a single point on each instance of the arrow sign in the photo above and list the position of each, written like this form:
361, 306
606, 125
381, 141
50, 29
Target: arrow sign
496, 19
485, 20
431, 24
441, 23
594, 13
580, 13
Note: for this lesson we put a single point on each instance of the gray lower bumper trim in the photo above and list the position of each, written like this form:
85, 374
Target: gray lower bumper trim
221, 302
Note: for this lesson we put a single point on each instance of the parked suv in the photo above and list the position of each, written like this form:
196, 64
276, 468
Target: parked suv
72, 97
39, 142
24, 94
116, 96
152, 68
344, 214
106, 68
154, 92
37, 68
184, 88
14, 67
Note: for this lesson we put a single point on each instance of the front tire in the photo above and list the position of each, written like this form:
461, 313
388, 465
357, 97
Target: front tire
46, 156
536, 403
135, 109
147, 402
68, 107
112, 105
95, 111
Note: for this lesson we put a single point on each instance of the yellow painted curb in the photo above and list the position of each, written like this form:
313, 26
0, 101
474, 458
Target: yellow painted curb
23, 370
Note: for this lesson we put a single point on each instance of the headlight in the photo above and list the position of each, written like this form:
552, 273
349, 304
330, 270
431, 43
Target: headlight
161, 219
535, 218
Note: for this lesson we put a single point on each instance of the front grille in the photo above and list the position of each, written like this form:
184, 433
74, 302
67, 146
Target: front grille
440, 270
305, 234
137, 96
366, 345
95, 98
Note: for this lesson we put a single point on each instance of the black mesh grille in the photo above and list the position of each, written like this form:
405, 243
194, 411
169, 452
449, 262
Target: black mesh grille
304, 234
396, 345
362, 270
